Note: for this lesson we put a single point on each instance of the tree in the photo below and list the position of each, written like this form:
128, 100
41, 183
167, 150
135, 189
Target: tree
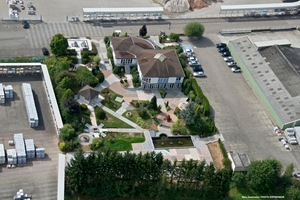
143, 31
67, 94
85, 77
262, 175
178, 128
67, 132
174, 37
188, 113
98, 73
96, 60
59, 44
71, 105
293, 193
100, 114
194, 29
153, 104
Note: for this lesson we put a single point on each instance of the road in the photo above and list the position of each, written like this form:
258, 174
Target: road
16, 41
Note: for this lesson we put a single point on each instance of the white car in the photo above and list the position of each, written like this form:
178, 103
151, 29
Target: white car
228, 59
194, 63
187, 50
192, 58
296, 174
236, 69
199, 74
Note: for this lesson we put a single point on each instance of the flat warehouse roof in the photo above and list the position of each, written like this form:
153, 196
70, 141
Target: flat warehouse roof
260, 6
277, 80
123, 10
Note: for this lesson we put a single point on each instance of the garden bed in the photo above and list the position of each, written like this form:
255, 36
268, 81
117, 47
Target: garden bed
216, 154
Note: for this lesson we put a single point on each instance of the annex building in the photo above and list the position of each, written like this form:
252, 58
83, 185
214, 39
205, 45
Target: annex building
273, 71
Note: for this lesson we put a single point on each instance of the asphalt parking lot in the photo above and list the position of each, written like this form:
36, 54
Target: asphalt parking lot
37, 177
239, 115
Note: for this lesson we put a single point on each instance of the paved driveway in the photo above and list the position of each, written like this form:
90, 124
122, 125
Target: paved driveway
239, 115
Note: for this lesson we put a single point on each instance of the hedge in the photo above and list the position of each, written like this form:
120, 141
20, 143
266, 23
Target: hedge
199, 93
222, 149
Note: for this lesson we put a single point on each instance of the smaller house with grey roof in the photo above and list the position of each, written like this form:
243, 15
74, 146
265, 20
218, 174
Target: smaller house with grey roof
158, 68
87, 93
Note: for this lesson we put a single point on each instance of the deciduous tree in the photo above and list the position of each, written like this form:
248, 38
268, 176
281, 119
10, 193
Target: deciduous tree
194, 30
59, 44
143, 31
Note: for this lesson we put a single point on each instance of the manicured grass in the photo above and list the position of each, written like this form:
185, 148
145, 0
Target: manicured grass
122, 141
238, 194
110, 100
113, 122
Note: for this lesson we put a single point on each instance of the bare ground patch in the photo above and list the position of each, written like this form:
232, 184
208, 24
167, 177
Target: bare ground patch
216, 154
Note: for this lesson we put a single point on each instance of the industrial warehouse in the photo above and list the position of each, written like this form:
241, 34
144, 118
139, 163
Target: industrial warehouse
272, 69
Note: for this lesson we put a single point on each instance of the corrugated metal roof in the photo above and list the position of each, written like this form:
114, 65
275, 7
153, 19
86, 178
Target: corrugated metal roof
260, 6
123, 10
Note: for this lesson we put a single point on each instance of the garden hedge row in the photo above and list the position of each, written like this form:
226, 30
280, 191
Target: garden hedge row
199, 93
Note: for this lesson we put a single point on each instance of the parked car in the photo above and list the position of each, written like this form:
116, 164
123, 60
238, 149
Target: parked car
223, 49
187, 50
199, 74
190, 54
231, 64
45, 51
192, 63
226, 54
236, 69
192, 58
197, 69
228, 59
296, 174
25, 24
221, 45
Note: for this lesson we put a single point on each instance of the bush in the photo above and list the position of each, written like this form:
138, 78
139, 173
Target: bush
177, 111
222, 148
96, 60
96, 144
100, 114
162, 92
106, 41
85, 57
121, 81
83, 107
199, 93
174, 37
227, 163
141, 122
143, 112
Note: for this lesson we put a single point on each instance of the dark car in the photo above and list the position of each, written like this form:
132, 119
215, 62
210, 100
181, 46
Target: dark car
45, 51
226, 53
197, 69
221, 45
25, 24
223, 49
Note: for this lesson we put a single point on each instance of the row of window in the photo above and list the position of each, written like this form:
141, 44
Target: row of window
148, 80
126, 61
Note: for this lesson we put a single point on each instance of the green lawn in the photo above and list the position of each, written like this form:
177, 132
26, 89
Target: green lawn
113, 122
110, 99
122, 141
238, 194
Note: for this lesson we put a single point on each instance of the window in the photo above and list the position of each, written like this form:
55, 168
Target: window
178, 78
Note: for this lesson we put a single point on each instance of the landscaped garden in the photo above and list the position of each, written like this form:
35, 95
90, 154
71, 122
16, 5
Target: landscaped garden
144, 114
108, 120
117, 141
110, 99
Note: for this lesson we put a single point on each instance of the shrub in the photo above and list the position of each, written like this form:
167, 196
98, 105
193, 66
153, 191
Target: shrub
96, 144
177, 111
83, 107
100, 114
106, 40
162, 92
227, 163
121, 81
141, 122
96, 60
222, 148
174, 37
143, 112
